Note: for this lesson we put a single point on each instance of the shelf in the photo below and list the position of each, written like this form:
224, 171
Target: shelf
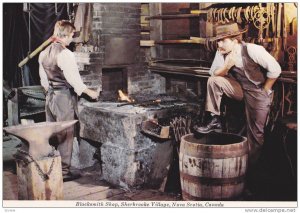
287, 80
181, 41
198, 40
192, 40
176, 61
181, 70
177, 16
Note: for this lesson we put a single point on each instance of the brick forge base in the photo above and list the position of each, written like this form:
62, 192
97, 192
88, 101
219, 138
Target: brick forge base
129, 158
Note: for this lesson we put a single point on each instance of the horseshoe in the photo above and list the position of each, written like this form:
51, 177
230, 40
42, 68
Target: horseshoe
215, 14
224, 15
254, 10
229, 13
239, 18
234, 14
221, 16
251, 13
246, 11
210, 15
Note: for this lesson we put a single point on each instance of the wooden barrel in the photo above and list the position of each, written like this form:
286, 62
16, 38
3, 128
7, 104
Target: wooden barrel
213, 167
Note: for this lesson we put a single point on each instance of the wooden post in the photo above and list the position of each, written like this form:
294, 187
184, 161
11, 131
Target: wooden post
31, 185
156, 33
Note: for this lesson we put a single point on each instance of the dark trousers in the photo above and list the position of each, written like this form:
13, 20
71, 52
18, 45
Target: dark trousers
61, 106
257, 107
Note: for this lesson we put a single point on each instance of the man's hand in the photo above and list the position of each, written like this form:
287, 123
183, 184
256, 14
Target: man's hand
229, 62
92, 93
230, 59
269, 84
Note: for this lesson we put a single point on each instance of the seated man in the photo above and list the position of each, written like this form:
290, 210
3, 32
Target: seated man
242, 71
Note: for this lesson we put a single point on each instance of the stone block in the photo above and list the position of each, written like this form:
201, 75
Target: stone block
83, 154
129, 157
105, 122
136, 167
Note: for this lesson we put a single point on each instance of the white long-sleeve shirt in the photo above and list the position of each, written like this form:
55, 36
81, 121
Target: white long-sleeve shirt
67, 63
258, 54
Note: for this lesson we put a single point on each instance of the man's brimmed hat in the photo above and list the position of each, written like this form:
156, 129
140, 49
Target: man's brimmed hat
227, 30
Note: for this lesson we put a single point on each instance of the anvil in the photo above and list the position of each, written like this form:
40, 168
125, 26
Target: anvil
37, 135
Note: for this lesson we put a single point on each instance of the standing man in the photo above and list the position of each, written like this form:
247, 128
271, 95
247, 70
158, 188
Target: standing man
61, 79
242, 71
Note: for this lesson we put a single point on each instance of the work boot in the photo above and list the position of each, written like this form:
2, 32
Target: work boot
213, 125
71, 176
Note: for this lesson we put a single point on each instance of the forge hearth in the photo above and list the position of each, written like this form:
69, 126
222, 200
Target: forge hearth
129, 157
113, 79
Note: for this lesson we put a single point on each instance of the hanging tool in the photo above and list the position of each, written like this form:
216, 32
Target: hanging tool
278, 21
273, 19
284, 28
291, 57
268, 10
276, 50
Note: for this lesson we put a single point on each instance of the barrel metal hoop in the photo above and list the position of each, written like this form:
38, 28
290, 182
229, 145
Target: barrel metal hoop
212, 181
194, 198
193, 150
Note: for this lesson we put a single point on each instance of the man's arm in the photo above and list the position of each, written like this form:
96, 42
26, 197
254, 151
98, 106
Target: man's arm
269, 84
267, 61
66, 61
217, 65
42, 73
92, 93
221, 71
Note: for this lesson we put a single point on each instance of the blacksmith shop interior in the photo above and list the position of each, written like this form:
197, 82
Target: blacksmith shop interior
172, 101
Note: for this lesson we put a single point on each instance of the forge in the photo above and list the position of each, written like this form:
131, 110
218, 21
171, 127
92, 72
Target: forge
110, 129
129, 157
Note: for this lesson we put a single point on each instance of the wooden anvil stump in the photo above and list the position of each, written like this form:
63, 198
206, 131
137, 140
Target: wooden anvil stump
39, 164
31, 185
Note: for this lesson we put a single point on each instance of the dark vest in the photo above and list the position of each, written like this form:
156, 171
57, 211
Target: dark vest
253, 71
54, 73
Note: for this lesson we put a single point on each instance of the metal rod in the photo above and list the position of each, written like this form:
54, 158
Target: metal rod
29, 29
